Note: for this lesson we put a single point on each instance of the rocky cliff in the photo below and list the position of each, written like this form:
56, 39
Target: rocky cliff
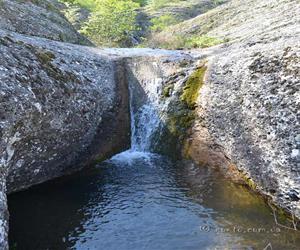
248, 108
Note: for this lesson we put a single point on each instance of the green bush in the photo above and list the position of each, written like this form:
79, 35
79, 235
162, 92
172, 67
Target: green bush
182, 42
72, 13
112, 22
141, 2
87, 4
156, 4
201, 42
162, 22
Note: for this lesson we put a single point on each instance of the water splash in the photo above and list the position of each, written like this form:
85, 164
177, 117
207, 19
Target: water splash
131, 156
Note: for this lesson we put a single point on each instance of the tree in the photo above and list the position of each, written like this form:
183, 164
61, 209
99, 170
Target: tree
112, 22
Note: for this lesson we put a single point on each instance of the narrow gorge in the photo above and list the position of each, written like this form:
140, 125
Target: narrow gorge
139, 193
148, 148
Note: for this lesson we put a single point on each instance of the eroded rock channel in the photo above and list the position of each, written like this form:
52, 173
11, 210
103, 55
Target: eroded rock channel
65, 107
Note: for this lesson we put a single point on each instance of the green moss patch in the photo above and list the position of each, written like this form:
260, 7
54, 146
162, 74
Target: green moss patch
192, 87
167, 90
180, 116
45, 57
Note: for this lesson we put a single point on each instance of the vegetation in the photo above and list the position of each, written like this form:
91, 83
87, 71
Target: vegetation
87, 4
112, 22
156, 4
92, 4
181, 114
72, 13
162, 22
202, 41
192, 87
180, 42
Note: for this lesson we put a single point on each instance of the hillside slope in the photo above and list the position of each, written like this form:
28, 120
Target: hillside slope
235, 20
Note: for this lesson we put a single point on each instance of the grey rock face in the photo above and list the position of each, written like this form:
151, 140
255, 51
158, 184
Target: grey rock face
54, 99
39, 18
253, 112
62, 107
250, 102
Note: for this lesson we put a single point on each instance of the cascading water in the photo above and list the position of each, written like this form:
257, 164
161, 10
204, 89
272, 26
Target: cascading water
145, 121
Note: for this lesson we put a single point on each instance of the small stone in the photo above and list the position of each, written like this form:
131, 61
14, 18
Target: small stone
293, 195
295, 153
297, 139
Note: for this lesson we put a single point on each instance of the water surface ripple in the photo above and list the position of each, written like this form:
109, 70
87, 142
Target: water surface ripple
145, 201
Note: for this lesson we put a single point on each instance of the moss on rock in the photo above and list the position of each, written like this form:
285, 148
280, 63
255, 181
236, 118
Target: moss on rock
167, 90
45, 57
181, 114
192, 87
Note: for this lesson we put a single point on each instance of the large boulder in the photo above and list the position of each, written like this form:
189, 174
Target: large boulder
248, 108
62, 107
56, 99
41, 18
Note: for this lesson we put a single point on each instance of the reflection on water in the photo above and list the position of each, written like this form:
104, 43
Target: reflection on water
143, 201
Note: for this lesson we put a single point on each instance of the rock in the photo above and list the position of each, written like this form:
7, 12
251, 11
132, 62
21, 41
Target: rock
294, 195
62, 107
53, 95
295, 153
249, 104
297, 139
39, 18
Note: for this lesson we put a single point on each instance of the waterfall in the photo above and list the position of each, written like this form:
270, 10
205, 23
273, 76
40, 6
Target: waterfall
144, 123
145, 120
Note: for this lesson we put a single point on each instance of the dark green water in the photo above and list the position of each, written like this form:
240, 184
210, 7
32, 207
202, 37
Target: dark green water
144, 201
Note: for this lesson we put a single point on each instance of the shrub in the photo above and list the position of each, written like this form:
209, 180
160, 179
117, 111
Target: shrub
87, 4
141, 2
201, 42
156, 4
162, 22
112, 22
